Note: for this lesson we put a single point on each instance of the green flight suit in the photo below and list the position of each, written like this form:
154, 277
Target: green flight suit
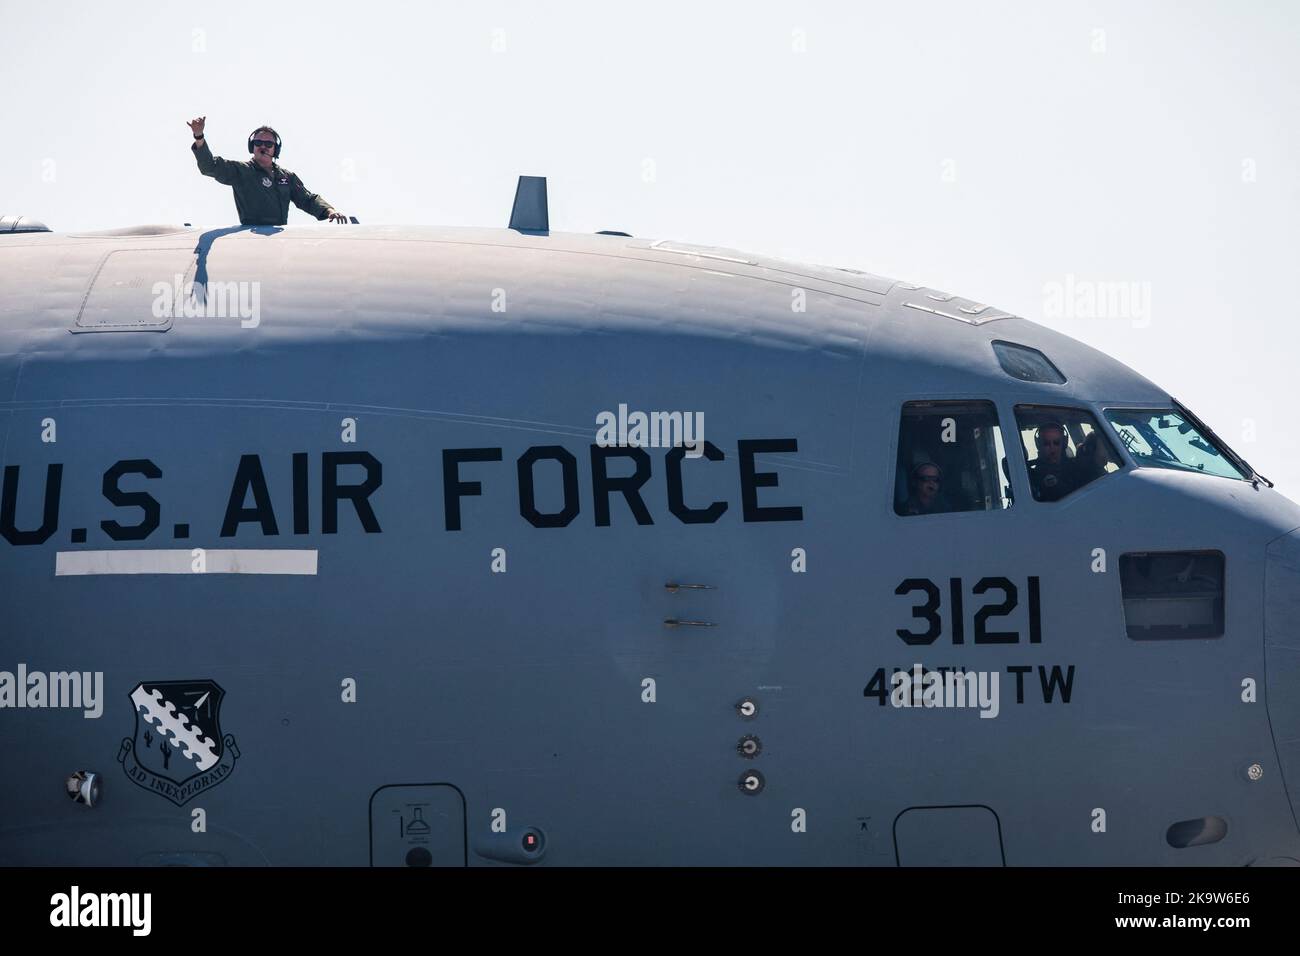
262, 197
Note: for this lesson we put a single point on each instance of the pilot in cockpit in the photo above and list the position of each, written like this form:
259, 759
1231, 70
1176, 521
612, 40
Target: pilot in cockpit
1050, 475
924, 497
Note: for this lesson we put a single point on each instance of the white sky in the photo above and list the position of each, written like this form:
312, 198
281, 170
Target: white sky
988, 149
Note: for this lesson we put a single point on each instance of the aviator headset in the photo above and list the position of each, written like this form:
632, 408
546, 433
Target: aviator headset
276, 154
1048, 426
915, 474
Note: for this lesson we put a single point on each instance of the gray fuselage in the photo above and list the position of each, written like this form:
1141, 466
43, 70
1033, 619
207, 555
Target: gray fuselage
492, 650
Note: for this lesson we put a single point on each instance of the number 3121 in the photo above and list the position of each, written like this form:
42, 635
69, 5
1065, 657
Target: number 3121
929, 611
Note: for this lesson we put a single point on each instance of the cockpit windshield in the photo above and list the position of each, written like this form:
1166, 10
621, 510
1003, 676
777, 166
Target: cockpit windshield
1165, 438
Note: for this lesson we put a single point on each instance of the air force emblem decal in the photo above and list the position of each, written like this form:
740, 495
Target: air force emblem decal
178, 750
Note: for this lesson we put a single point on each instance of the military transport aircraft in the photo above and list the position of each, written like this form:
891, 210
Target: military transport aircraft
416, 546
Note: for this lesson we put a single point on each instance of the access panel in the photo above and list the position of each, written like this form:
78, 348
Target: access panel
419, 824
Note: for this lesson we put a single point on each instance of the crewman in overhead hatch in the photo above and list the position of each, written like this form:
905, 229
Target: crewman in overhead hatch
263, 188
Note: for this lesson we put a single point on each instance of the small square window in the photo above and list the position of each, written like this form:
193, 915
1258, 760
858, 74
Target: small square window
1172, 594
1026, 364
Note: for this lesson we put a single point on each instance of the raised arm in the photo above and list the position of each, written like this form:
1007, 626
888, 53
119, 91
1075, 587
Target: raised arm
222, 170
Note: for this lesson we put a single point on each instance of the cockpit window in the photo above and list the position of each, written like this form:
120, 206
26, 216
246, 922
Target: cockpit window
950, 458
1026, 364
1064, 450
1163, 438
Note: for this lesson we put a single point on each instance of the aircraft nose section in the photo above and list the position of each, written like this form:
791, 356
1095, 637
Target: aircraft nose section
1282, 654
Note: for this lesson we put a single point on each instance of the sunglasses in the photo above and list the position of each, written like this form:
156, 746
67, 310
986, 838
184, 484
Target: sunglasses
1052, 442
930, 479
268, 143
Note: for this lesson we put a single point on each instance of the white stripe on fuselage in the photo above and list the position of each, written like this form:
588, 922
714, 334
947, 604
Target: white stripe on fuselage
185, 561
